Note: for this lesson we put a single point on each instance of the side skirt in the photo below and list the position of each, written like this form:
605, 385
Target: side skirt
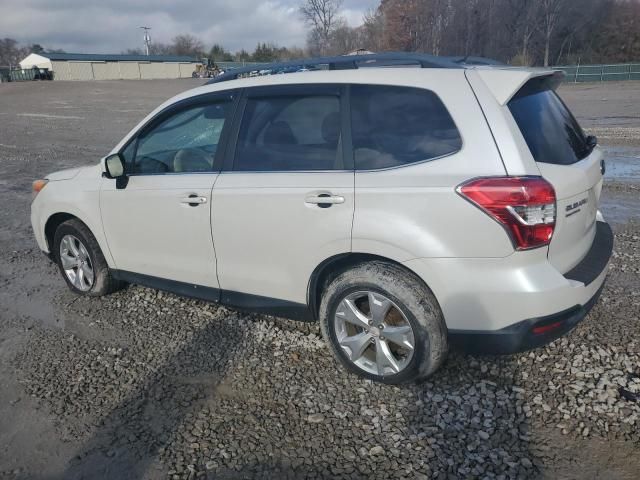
237, 300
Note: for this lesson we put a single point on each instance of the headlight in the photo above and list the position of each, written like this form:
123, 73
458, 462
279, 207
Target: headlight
36, 187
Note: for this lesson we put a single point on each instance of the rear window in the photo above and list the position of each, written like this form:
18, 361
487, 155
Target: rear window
393, 126
550, 130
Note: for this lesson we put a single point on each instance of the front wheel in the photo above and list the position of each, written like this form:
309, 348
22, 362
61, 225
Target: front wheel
80, 260
383, 324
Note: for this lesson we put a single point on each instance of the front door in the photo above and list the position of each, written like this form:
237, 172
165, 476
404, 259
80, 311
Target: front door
285, 200
160, 223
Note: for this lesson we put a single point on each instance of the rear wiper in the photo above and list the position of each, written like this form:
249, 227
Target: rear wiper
591, 142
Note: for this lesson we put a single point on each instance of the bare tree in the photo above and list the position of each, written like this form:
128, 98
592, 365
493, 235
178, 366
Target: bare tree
518, 31
373, 30
323, 17
401, 29
436, 15
523, 22
345, 39
551, 11
11, 52
187, 45
157, 48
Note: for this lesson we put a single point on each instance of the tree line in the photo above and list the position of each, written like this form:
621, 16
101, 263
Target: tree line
520, 32
192, 46
11, 52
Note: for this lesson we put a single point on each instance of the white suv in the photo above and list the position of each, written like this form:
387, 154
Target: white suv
406, 209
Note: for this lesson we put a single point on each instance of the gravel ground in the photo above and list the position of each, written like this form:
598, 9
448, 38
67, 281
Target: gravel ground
609, 110
144, 384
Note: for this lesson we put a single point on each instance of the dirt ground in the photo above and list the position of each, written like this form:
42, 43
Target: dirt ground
143, 384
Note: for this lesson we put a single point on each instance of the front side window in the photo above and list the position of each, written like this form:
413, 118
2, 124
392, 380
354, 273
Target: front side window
184, 142
290, 133
395, 126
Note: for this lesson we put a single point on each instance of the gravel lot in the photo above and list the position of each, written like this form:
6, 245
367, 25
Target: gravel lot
144, 384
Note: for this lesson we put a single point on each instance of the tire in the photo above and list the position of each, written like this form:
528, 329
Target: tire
411, 304
103, 282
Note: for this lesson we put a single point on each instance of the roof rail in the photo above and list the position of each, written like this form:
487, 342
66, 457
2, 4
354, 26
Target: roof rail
351, 62
471, 61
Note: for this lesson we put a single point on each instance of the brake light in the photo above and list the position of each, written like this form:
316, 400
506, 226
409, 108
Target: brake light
525, 206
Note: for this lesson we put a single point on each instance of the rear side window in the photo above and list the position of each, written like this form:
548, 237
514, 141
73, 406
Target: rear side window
290, 133
552, 133
394, 126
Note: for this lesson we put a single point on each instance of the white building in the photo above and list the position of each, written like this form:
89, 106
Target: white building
89, 66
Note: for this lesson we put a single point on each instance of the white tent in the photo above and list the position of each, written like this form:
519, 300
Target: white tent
35, 60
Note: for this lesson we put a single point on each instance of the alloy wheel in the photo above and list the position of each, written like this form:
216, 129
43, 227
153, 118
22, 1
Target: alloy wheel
374, 333
76, 263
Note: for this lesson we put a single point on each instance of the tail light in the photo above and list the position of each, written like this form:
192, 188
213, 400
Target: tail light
525, 206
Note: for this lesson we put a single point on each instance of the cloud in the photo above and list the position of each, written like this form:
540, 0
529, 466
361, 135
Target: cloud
111, 26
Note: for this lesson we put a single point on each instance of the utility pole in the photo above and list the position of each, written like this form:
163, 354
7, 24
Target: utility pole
147, 39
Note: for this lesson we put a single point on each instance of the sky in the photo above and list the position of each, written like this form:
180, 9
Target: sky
112, 26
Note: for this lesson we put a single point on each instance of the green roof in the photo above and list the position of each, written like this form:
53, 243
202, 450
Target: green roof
100, 57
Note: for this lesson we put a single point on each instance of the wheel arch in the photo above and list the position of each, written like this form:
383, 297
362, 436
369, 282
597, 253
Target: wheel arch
52, 224
56, 219
333, 266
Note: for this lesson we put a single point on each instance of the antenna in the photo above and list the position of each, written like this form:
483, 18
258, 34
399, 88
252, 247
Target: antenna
147, 39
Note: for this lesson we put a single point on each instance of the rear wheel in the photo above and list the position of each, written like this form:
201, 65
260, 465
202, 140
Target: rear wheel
383, 323
80, 260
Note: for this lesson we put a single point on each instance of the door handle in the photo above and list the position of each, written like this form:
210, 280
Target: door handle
194, 200
324, 200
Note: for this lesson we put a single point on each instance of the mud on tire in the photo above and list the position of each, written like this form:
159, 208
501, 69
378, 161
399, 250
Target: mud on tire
103, 282
415, 301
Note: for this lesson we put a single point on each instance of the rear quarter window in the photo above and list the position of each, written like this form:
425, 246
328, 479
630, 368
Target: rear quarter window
552, 133
394, 126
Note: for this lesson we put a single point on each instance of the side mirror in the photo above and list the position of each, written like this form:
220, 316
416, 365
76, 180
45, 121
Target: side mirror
114, 165
592, 141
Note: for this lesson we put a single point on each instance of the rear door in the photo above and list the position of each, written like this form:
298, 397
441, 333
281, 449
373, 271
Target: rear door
284, 200
566, 159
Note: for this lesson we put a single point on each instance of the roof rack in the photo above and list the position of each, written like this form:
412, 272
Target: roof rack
475, 61
352, 62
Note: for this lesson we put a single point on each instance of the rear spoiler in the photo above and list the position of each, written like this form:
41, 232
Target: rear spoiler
506, 83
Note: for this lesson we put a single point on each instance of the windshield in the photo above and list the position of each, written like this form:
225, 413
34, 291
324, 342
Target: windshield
550, 130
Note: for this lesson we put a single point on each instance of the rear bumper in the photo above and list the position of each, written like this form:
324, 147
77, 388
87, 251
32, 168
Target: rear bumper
538, 331
597, 257
524, 335
511, 304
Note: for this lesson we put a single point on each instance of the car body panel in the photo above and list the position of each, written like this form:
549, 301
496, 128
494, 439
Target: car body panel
513, 149
268, 240
67, 174
80, 197
578, 187
150, 229
487, 294
504, 82
414, 211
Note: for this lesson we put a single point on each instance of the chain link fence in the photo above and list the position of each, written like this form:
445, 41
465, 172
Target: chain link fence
600, 73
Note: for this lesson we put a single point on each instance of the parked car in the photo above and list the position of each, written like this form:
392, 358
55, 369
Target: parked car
405, 209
